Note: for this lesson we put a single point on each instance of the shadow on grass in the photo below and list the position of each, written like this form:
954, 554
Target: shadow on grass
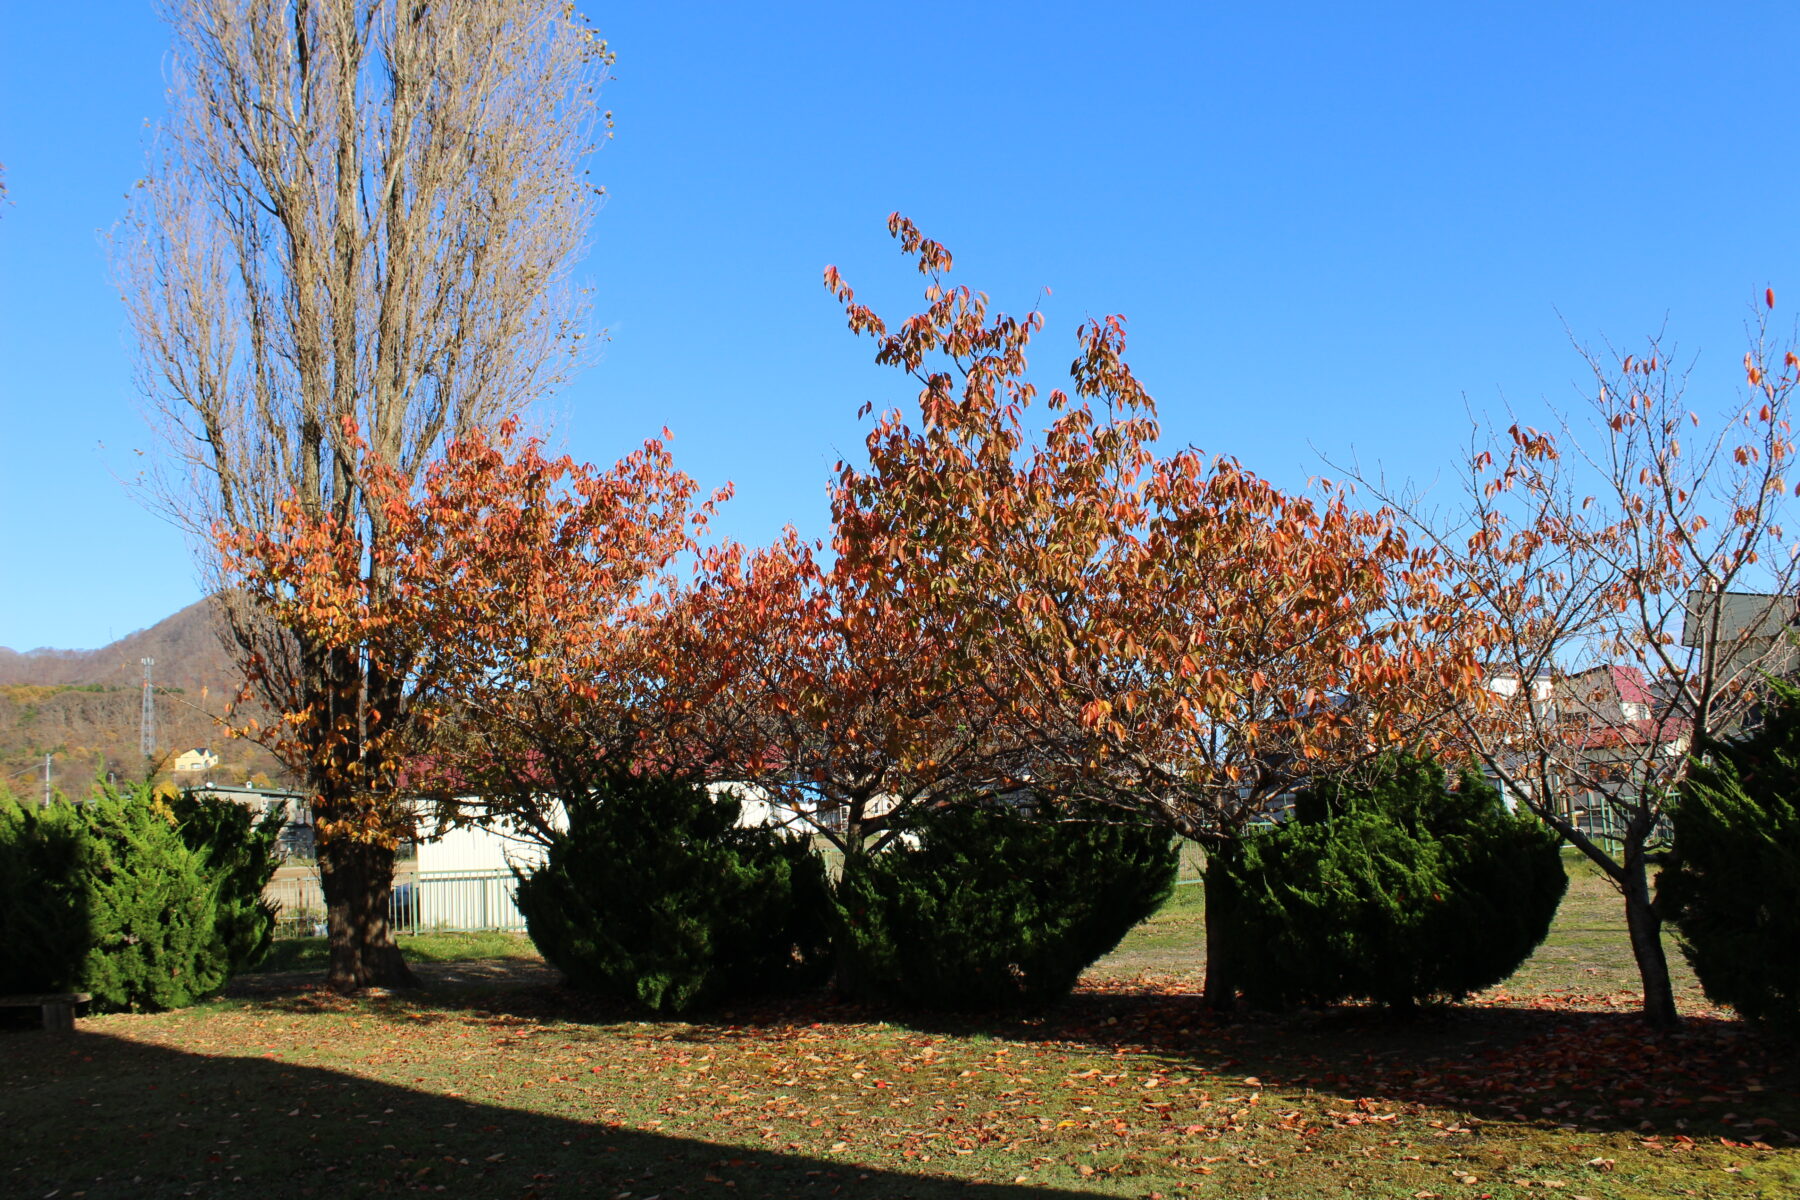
1513, 1062
105, 1117
1521, 1062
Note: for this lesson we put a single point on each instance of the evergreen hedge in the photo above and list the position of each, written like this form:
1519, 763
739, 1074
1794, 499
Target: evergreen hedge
152, 910
239, 853
44, 924
144, 903
655, 896
1733, 887
1391, 887
985, 908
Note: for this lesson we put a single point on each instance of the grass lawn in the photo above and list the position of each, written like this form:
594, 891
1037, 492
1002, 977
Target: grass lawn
309, 953
498, 1083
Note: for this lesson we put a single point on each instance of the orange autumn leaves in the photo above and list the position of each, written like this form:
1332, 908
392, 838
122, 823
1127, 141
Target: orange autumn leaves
1170, 632
1000, 604
523, 600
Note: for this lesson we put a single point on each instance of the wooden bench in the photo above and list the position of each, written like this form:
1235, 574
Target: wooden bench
58, 1008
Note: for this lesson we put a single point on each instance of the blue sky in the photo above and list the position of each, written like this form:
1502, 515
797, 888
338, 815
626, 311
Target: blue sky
1333, 230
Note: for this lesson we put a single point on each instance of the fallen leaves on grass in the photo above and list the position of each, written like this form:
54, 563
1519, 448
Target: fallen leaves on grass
1118, 1082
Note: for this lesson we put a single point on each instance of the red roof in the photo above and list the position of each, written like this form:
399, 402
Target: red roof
1594, 728
1629, 682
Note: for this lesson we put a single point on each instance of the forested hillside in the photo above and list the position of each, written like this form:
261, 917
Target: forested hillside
82, 707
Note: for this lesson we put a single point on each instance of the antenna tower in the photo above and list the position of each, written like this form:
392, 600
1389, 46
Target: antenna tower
147, 720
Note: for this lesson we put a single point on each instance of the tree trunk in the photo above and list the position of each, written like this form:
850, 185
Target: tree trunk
846, 983
357, 879
1645, 926
1221, 983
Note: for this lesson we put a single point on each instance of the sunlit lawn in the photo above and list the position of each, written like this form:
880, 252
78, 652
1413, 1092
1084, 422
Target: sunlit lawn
498, 1083
309, 953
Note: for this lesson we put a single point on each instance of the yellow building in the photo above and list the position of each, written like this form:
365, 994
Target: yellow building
197, 759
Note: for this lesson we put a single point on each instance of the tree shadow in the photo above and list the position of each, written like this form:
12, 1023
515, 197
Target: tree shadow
100, 1116
1519, 1062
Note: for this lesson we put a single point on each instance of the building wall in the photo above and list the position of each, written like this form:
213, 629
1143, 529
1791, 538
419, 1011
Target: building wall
475, 849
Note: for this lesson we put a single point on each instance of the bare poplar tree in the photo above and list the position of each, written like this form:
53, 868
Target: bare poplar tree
354, 245
1631, 584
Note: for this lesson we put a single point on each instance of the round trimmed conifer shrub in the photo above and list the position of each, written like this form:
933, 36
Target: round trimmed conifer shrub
984, 907
655, 896
1389, 886
1733, 887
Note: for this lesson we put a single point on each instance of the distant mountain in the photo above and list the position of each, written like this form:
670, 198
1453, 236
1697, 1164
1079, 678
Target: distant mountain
84, 707
186, 648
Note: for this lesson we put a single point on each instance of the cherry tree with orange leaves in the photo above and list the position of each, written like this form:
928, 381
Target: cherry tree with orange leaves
505, 633
553, 589
1173, 636
835, 706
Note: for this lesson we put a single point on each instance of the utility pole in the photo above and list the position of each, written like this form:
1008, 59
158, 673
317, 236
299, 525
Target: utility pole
147, 718
46, 781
